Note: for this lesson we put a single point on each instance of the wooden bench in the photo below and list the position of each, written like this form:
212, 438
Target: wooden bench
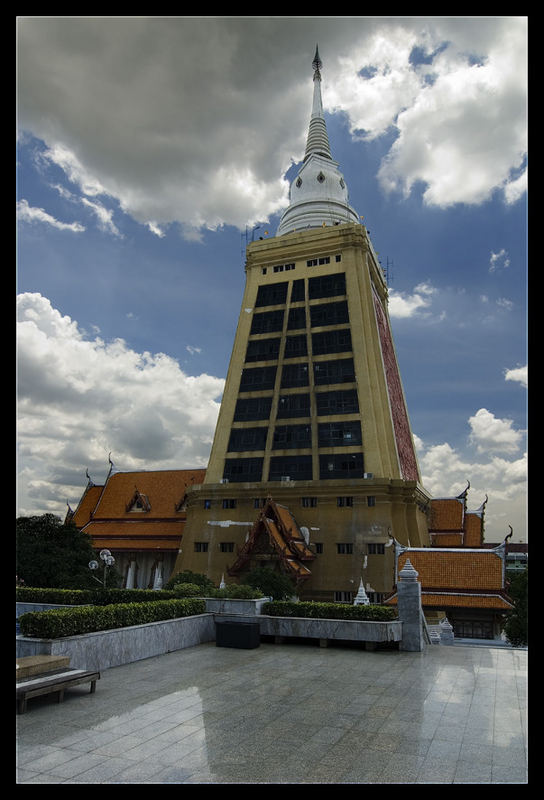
53, 684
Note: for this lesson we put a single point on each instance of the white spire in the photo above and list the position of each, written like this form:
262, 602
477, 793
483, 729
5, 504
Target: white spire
318, 195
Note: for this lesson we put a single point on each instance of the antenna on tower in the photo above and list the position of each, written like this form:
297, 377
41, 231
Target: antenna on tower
389, 271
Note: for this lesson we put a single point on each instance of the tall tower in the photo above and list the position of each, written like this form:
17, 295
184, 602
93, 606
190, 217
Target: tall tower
313, 412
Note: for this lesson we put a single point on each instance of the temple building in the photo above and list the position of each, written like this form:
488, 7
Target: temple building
140, 517
313, 412
313, 469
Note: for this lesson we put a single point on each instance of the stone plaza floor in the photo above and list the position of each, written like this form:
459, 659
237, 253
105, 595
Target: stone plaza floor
287, 713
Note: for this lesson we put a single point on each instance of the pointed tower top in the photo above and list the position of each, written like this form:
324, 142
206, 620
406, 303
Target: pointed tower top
318, 195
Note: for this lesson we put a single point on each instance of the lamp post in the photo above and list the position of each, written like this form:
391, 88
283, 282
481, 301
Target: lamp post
108, 560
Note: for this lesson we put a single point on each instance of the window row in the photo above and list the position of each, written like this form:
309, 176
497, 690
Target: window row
293, 375
320, 315
296, 468
306, 502
275, 294
296, 437
252, 409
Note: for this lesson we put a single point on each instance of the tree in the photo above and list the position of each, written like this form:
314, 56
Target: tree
516, 625
195, 578
272, 583
53, 555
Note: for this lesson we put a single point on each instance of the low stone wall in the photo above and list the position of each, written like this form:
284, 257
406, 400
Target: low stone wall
105, 649
327, 629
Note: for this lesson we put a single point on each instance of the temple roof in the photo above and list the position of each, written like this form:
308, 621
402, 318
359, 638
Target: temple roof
278, 527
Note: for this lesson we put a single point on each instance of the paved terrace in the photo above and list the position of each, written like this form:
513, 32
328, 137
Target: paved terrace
290, 713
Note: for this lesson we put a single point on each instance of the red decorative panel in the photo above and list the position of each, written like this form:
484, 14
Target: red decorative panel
401, 424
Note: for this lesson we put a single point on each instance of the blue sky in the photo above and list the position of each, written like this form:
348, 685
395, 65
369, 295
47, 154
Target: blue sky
150, 149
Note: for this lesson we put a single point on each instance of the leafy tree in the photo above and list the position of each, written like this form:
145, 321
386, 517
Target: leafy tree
516, 625
272, 583
190, 577
51, 554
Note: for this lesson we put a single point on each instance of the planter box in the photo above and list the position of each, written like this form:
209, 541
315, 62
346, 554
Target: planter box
324, 629
105, 649
247, 608
243, 635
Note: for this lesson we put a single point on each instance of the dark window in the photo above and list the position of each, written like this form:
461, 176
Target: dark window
293, 405
308, 502
229, 503
376, 549
247, 439
267, 322
339, 434
257, 378
327, 286
298, 468
207, 503
341, 402
341, 466
370, 501
271, 294
331, 341
288, 437
343, 597
226, 547
319, 547
294, 375
258, 502
329, 314
263, 349
344, 502
243, 470
295, 346
339, 371
297, 318
297, 292
201, 547
252, 408
344, 548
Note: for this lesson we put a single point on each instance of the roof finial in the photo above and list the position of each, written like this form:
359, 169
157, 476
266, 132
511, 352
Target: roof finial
317, 64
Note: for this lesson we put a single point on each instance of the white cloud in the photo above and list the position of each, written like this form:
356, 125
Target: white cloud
104, 216
518, 374
402, 305
499, 260
31, 214
209, 147
491, 434
445, 472
80, 398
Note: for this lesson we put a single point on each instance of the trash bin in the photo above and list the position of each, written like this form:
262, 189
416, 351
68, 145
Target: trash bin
244, 635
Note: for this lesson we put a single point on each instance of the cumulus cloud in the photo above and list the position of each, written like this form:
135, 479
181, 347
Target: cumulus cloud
497, 469
187, 121
518, 374
499, 260
80, 398
26, 213
403, 305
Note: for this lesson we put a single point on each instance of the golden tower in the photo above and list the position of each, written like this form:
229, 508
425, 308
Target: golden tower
313, 414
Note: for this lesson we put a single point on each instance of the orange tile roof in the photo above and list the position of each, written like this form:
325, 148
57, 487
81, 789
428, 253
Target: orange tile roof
449, 539
455, 569
447, 514
474, 530
163, 488
86, 505
458, 600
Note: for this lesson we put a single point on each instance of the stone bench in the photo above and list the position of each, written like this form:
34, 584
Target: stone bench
53, 683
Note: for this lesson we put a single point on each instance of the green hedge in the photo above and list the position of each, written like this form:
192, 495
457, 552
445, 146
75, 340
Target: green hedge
313, 610
56, 623
97, 597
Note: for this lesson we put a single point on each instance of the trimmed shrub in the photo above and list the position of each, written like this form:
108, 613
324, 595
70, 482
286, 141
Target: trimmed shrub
187, 590
61, 622
329, 611
98, 597
235, 591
